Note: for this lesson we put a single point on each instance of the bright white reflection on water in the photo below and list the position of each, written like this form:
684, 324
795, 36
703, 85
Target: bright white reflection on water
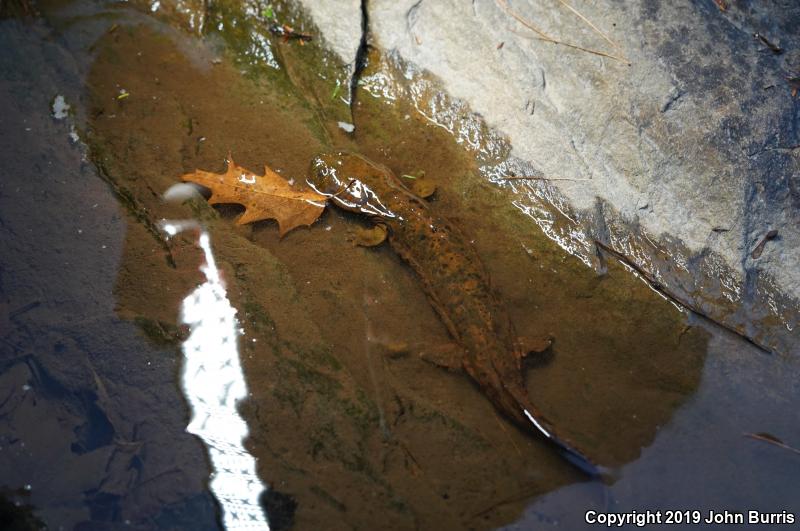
213, 383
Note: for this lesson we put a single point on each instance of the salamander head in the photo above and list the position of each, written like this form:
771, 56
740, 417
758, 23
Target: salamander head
353, 182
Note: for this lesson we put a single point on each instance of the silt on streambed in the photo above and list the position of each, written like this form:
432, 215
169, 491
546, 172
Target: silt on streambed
350, 429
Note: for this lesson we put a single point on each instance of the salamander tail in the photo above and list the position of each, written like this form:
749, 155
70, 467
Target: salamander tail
569, 453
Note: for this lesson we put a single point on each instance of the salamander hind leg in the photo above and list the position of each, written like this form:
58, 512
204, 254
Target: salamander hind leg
528, 346
449, 356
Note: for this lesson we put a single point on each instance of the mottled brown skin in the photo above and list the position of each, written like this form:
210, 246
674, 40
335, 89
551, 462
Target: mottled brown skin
453, 277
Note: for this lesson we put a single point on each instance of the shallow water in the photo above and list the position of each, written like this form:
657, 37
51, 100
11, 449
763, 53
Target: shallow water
350, 428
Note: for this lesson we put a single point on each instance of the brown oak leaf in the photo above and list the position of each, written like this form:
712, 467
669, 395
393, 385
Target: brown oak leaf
267, 196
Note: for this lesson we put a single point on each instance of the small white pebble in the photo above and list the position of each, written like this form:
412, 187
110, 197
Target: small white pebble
60, 108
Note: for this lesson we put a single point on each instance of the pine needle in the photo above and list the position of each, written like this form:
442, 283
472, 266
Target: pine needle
538, 178
545, 37
504, 4
589, 22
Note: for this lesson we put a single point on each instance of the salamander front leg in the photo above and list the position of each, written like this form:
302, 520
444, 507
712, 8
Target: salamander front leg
534, 350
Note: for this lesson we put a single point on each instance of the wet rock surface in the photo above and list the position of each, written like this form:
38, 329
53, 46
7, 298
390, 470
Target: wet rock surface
691, 139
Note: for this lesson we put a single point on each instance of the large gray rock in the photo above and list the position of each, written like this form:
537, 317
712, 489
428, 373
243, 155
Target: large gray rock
695, 141
340, 24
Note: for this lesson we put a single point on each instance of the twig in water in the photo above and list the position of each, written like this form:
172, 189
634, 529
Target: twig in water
417, 469
23, 309
766, 437
659, 287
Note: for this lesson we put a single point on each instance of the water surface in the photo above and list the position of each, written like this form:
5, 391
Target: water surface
349, 427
